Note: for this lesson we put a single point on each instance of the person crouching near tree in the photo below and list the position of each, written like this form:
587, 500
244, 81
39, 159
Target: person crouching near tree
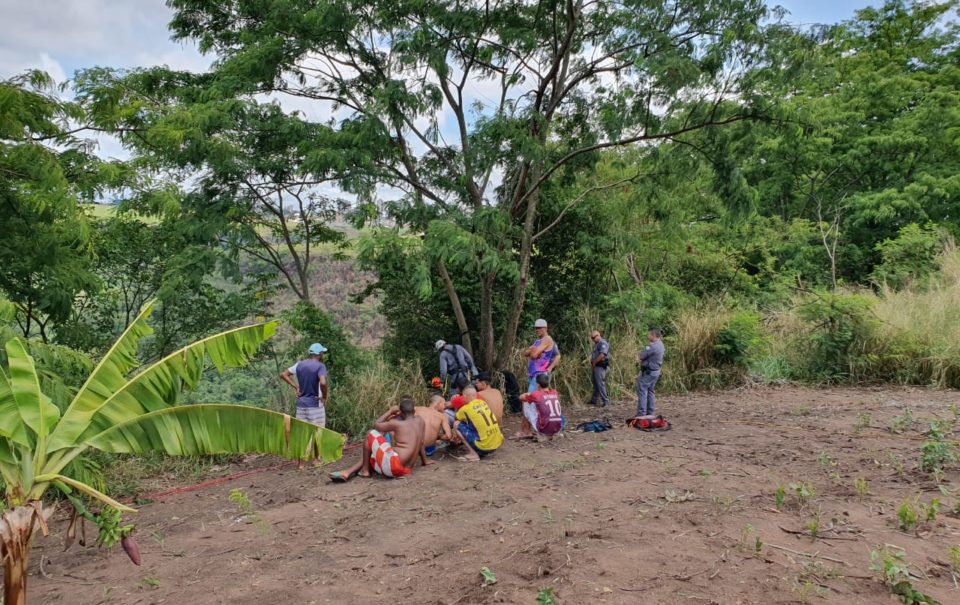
541, 411
476, 425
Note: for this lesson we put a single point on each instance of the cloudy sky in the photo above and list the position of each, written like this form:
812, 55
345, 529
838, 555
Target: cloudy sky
61, 36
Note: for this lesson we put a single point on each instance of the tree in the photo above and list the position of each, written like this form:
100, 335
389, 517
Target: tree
115, 412
45, 258
563, 80
865, 143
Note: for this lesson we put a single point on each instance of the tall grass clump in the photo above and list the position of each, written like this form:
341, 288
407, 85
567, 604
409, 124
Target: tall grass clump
917, 337
368, 390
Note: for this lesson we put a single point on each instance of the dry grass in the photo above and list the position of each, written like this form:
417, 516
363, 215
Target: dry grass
367, 392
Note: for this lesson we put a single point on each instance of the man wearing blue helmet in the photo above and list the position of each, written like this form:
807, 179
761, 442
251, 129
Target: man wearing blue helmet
311, 385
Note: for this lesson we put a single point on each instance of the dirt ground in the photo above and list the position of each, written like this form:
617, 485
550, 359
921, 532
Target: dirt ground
687, 516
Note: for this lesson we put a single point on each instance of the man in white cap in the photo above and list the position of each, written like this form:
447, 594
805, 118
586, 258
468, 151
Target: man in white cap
311, 385
543, 355
456, 366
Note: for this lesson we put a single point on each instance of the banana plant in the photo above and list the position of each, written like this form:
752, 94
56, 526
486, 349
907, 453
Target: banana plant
122, 409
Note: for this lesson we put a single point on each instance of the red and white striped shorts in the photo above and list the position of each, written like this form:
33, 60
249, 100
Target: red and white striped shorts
382, 457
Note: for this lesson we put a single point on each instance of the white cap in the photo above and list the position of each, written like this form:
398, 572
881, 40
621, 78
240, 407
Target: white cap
540, 323
439, 344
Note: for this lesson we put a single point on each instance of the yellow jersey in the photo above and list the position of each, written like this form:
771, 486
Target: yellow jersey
484, 421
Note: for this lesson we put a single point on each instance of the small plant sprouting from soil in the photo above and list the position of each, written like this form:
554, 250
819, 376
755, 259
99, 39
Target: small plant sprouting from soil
954, 552
902, 423
780, 497
806, 590
750, 540
862, 486
545, 597
863, 421
891, 564
723, 504
548, 515
912, 513
813, 527
488, 576
896, 462
938, 451
907, 515
242, 501
825, 460
803, 492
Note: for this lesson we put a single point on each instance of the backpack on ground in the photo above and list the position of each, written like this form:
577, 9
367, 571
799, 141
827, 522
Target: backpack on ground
594, 426
511, 390
649, 423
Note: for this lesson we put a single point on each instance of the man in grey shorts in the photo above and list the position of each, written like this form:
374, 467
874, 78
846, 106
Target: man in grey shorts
311, 386
651, 358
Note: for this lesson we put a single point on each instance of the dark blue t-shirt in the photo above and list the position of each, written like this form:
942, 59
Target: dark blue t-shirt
308, 373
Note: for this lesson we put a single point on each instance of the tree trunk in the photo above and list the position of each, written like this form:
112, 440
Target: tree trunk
487, 341
16, 529
457, 308
520, 293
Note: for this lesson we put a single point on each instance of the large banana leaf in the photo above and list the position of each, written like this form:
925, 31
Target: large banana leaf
11, 425
188, 430
104, 380
36, 410
160, 385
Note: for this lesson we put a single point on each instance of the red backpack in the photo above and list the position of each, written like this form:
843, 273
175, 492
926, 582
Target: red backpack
649, 423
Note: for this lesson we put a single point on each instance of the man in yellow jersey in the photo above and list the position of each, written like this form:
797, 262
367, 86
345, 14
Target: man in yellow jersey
477, 426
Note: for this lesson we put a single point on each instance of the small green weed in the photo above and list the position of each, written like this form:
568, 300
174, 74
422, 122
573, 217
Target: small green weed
149, 581
937, 453
902, 423
803, 491
863, 421
862, 486
824, 459
954, 552
545, 597
813, 527
907, 515
892, 566
780, 497
488, 577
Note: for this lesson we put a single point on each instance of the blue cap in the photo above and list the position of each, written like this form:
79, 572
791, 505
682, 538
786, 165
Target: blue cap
317, 348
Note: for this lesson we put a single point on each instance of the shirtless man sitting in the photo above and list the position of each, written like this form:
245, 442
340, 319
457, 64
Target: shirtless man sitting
492, 396
380, 456
436, 425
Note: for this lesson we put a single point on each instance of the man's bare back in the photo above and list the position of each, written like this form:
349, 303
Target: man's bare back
407, 435
397, 457
436, 425
494, 401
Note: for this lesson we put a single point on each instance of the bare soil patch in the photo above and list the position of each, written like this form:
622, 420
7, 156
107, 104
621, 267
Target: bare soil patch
616, 517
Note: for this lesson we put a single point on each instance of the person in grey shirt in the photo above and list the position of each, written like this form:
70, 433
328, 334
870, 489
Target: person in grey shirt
651, 358
600, 361
457, 368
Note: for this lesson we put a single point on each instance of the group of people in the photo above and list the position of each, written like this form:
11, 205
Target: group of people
473, 416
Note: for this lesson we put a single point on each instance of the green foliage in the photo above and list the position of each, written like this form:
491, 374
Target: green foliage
488, 576
938, 451
545, 597
911, 257
839, 324
895, 572
737, 337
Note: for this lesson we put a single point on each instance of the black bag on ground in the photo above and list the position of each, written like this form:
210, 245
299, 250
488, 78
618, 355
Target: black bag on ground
511, 391
594, 426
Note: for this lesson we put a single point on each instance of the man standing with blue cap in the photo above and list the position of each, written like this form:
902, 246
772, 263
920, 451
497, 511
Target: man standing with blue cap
311, 385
